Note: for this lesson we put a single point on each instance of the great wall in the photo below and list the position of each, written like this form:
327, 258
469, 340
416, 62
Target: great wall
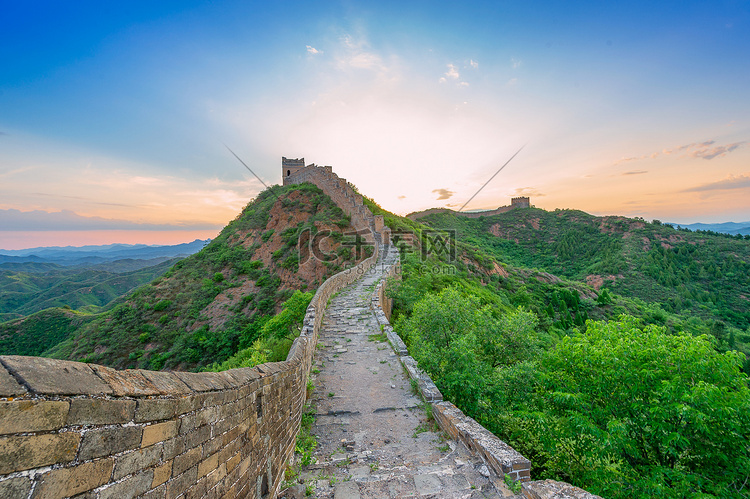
74, 429
515, 203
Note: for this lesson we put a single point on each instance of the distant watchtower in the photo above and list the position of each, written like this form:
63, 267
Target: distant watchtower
522, 202
291, 166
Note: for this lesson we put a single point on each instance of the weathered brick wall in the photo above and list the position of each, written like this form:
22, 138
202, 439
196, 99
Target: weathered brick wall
474, 214
381, 302
345, 197
69, 428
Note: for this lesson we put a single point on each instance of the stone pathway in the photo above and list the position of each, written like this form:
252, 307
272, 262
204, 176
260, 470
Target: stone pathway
375, 439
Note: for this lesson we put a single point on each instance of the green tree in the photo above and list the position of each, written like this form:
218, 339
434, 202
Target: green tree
459, 342
511, 339
637, 412
287, 323
604, 298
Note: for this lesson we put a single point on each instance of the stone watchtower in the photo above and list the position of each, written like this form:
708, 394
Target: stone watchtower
522, 202
291, 166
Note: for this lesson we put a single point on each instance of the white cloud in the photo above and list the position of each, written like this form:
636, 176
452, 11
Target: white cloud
356, 54
313, 50
516, 63
463, 84
452, 72
474, 64
366, 60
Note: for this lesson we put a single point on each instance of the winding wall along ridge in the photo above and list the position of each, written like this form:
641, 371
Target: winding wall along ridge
68, 428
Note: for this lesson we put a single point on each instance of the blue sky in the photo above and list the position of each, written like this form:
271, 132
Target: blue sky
117, 112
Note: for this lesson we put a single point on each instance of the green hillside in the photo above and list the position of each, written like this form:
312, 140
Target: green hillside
38, 332
27, 288
214, 302
610, 389
688, 273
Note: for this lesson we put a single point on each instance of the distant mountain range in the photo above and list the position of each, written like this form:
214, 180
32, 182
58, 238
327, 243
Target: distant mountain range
95, 255
725, 228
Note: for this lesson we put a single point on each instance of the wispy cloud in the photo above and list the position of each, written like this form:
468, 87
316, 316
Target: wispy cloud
714, 152
634, 172
15, 171
138, 180
453, 73
516, 63
704, 150
731, 182
443, 193
313, 50
357, 54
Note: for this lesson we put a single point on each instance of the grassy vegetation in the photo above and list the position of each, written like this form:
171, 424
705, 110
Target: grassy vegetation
275, 337
215, 303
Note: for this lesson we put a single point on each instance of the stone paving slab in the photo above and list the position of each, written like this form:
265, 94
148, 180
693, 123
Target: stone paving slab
375, 439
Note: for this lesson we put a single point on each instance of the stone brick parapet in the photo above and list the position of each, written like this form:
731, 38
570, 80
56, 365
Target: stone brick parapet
515, 204
552, 489
138, 433
69, 428
425, 385
498, 455
344, 196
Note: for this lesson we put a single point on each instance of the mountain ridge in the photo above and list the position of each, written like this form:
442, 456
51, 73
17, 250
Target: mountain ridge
93, 254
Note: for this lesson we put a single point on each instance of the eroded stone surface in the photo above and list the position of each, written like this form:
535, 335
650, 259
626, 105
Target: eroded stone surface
552, 489
374, 437
56, 377
9, 387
